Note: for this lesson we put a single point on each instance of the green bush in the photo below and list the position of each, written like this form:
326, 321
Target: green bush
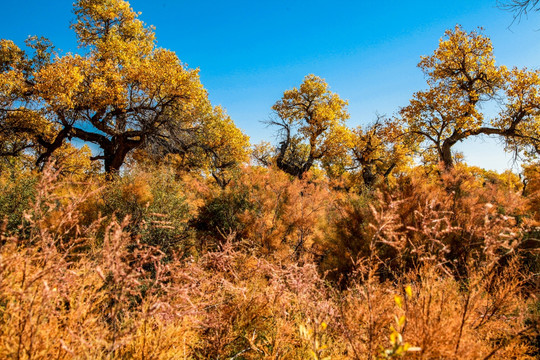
17, 193
156, 206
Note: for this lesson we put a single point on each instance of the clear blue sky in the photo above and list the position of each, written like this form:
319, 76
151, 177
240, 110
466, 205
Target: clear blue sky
249, 52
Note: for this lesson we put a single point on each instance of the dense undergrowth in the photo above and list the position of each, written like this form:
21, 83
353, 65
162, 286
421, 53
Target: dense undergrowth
161, 265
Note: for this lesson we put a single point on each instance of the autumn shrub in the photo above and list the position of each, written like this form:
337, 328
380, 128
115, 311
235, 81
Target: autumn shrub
18, 180
71, 289
273, 213
346, 240
482, 317
97, 304
229, 304
531, 192
219, 216
451, 219
155, 204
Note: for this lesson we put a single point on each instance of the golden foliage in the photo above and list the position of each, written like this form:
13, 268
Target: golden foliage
121, 94
461, 75
312, 126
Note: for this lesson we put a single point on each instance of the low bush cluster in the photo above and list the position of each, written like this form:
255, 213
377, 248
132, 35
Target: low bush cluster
158, 265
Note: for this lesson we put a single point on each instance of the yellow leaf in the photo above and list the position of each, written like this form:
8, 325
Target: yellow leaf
399, 300
408, 291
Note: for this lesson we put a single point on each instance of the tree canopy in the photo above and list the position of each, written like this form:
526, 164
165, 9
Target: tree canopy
378, 149
122, 93
308, 118
462, 76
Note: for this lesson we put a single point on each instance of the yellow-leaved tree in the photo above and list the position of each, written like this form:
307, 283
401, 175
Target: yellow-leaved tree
23, 127
213, 144
308, 117
121, 94
379, 149
462, 76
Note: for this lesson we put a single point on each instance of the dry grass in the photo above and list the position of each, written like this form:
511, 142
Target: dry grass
74, 289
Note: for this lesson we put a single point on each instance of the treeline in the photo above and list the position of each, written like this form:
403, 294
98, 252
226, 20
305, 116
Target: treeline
136, 102
180, 241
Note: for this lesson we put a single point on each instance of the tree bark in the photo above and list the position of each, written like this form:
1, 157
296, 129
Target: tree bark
446, 155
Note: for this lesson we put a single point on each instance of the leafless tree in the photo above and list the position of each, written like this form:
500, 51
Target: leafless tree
519, 8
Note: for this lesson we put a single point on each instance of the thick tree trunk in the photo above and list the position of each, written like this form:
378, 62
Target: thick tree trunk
445, 150
115, 154
368, 175
114, 161
446, 156
292, 168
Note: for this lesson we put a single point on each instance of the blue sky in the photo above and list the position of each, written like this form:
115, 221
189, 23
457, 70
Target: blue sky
249, 52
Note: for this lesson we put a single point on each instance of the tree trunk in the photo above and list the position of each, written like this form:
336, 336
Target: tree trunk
446, 156
115, 160
368, 175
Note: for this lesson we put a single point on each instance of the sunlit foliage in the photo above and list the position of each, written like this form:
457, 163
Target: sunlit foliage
308, 119
462, 75
121, 93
